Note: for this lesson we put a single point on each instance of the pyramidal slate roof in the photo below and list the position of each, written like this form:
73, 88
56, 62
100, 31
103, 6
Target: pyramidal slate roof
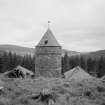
77, 74
48, 39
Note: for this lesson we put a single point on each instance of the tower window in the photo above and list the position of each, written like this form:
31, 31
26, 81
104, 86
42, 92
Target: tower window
46, 41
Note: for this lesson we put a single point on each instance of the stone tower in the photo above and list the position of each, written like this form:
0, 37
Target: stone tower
48, 56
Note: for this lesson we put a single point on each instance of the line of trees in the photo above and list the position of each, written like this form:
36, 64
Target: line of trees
95, 67
9, 61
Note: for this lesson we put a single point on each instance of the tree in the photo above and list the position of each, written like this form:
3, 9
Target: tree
101, 67
82, 62
65, 63
74, 61
90, 65
5, 62
28, 62
1, 65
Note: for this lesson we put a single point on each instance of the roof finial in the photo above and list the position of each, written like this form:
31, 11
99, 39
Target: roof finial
49, 24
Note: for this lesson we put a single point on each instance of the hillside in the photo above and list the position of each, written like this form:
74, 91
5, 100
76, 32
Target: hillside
97, 53
94, 55
70, 53
25, 50
16, 49
55, 91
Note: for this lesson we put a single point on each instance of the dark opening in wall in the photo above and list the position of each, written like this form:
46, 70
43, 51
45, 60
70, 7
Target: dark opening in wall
46, 41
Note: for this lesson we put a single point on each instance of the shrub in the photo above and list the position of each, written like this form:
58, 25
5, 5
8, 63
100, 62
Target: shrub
100, 89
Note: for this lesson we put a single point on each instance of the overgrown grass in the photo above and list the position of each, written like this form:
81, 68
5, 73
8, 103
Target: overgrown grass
20, 92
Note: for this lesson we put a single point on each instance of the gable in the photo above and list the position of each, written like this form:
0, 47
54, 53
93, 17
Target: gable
48, 39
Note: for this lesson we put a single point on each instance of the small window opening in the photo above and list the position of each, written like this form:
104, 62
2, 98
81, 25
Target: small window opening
46, 41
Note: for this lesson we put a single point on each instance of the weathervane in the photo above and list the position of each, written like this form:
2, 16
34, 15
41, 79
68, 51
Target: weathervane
49, 24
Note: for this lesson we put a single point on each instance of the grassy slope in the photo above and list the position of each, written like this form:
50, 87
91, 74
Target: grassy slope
20, 92
16, 49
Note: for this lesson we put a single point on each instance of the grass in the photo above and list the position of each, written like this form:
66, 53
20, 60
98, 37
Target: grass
63, 92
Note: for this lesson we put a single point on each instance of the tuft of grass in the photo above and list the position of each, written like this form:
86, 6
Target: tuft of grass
103, 104
100, 89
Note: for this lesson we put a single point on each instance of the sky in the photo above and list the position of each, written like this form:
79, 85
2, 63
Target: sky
78, 25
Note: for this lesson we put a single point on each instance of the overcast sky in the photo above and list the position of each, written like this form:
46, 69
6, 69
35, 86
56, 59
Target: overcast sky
77, 24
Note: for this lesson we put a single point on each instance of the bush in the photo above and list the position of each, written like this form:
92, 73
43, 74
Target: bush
88, 93
103, 104
100, 89
22, 100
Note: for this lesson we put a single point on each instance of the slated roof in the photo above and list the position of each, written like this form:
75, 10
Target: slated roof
48, 39
24, 70
77, 74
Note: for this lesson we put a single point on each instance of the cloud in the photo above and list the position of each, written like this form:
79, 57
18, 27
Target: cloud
77, 24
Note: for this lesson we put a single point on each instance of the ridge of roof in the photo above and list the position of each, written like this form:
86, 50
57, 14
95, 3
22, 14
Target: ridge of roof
48, 39
23, 69
77, 73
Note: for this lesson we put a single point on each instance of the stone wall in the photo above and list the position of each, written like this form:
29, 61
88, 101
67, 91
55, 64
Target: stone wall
48, 61
50, 49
